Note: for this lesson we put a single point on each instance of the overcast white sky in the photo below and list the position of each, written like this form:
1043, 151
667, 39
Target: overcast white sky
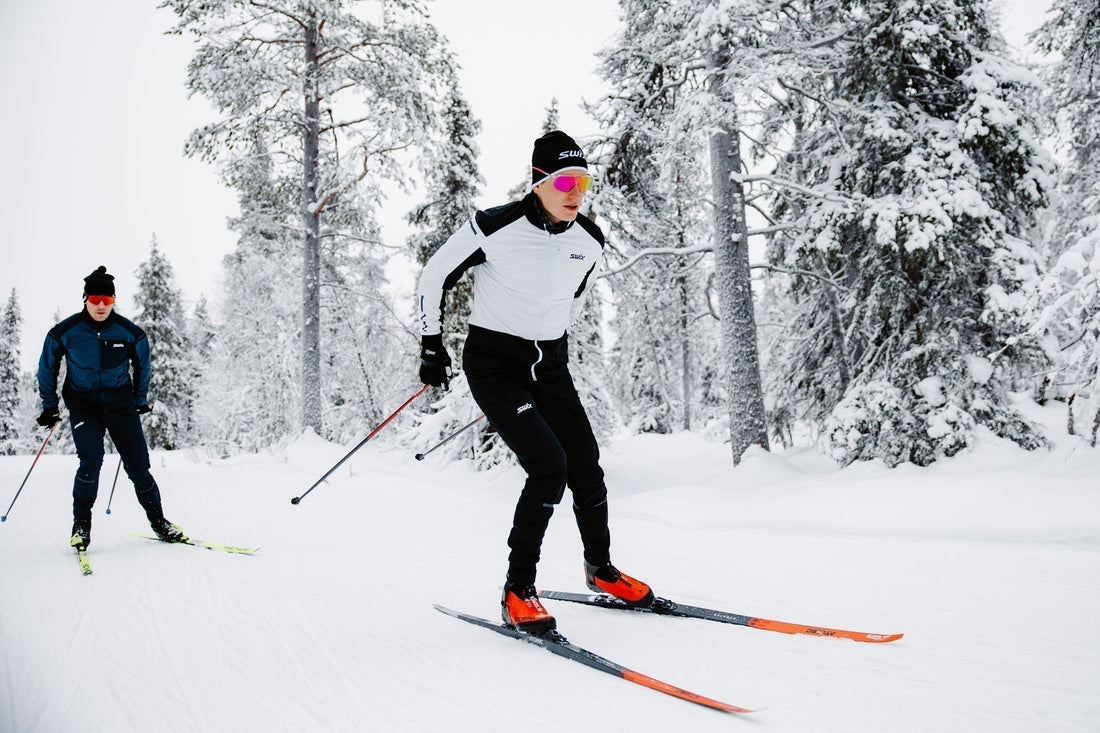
95, 115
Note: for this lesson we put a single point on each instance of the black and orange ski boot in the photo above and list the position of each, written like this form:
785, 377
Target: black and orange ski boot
520, 608
606, 578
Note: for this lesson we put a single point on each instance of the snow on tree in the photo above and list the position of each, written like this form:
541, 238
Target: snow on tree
11, 399
652, 198
1069, 297
678, 71
914, 172
334, 91
452, 184
250, 390
170, 382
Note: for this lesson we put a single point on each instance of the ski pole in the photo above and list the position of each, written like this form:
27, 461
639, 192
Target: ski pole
455, 434
363, 442
113, 484
47, 440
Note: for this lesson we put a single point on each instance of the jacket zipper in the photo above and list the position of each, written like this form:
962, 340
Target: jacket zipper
550, 275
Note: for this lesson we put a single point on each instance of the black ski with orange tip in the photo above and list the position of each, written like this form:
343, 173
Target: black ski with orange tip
665, 607
553, 641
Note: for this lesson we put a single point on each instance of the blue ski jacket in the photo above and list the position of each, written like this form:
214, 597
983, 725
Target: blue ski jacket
99, 358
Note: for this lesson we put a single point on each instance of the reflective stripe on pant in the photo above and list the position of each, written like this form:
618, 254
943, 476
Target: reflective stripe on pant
124, 426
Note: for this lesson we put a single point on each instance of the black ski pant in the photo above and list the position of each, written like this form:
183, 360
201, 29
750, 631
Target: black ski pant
89, 424
526, 392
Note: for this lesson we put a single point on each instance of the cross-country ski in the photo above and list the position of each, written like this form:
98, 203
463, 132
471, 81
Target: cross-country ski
665, 607
553, 641
232, 549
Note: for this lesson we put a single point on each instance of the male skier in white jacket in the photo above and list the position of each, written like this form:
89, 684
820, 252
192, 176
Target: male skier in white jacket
533, 262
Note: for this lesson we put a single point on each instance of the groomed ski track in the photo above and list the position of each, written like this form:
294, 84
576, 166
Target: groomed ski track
988, 563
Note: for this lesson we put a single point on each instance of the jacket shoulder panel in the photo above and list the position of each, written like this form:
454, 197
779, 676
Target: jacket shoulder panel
493, 220
58, 331
591, 227
135, 330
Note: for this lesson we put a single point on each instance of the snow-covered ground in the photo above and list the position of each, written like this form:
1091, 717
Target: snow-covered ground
988, 562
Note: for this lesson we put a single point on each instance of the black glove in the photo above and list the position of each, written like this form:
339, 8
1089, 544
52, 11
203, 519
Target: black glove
435, 362
49, 417
142, 409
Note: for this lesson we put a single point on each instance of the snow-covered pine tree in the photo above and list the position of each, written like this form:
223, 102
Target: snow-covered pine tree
915, 170
170, 382
11, 332
1070, 297
201, 331
250, 379
333, 90
368, 367
452, 185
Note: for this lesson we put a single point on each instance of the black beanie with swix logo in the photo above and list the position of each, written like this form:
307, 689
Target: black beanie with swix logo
553, 152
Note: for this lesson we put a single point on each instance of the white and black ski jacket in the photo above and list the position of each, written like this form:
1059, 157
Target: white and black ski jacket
530, 276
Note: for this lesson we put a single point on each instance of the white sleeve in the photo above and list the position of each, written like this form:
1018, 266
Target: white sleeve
443, 269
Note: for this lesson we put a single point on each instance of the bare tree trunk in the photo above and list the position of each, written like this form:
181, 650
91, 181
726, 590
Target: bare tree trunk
731, 255
685, 349
311, 274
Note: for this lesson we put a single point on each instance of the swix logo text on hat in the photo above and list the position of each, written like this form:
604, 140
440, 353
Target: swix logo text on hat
570, 154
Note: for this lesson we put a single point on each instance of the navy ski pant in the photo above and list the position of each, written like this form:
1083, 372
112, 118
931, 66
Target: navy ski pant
89, 423
526, 392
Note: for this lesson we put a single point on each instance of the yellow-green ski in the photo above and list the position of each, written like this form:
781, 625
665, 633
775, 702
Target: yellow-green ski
200, 543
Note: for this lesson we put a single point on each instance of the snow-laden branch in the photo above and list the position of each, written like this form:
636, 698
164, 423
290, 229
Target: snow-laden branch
798, 271
654, 252
679, 251
784, 183
329, 196
278, 11
316, 210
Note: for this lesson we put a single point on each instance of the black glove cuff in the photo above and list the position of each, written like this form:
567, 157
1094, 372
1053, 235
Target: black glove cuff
432, 343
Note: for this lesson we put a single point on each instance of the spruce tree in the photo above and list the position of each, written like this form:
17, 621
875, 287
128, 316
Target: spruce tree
250, 378
11, 325
918, 174
170, 386
1069, 300
452, 184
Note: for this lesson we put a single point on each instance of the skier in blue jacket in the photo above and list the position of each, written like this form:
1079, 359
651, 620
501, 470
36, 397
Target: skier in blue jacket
106, 391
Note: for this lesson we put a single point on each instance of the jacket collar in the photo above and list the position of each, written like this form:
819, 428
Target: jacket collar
532, 209
93, 323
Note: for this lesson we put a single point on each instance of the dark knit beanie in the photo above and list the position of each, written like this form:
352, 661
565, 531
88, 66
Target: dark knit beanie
99, 282
553, 152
